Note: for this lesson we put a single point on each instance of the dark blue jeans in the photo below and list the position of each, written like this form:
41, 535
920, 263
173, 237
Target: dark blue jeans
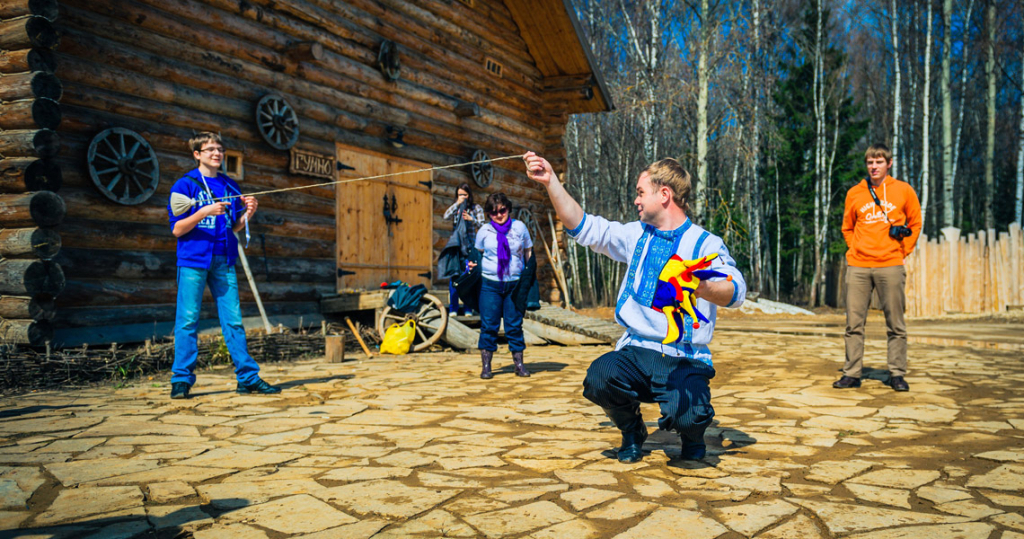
496, 303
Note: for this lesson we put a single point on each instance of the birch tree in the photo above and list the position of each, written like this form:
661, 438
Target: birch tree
1019, 199
947, 114
990, 135
897, 87
926, 138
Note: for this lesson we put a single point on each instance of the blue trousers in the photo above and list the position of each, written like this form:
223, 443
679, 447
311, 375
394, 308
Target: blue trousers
495, 304
224, 287
680, 386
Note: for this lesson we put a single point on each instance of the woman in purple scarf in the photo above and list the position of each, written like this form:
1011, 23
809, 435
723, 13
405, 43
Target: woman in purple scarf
506, 246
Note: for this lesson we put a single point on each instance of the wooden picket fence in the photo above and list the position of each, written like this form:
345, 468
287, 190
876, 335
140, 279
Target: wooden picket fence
978, 273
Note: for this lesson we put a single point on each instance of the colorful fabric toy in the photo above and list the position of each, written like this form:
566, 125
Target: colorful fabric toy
674, 297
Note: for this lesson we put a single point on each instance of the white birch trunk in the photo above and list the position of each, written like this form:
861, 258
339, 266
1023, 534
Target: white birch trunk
1020, 153
947, 116
926, 119
701, 185
990, 138
896, 108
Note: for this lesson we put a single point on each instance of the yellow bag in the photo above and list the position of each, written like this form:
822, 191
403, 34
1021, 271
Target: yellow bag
398, 338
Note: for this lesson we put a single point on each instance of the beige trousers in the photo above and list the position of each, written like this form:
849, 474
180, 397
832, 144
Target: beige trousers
890, 283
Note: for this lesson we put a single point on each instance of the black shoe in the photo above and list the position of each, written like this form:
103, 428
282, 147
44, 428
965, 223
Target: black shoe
634, 432
693, 451
259, 386
846, 382
898, 383
179, 390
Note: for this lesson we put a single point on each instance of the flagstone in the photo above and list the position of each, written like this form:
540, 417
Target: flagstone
71, 446
407, 459
1008, 455
10, 520
970, 530
763, 485
185, 517
889, 477
1006, 500
235, 495
844, 424
481, 426
807, 491
83, 471
522, 493
75, 504
393, 418
169, 491
280, 438
666, 523
363, 529
546, 465
301, 513
571, 529
47, 424
274, 473
34, 458
387, 497
586, 477
751, 518
1006, 477
155, 439
231, 457
1010, 520
122, 530
886, 496
417, 438
835, 471
518, 520
622, 509
585, 498
365, 473
134, 427
458, 463
436, 522
12, 496
231, 531
842, 518
194, 420
927, 413
192, 474
556, 449
938, 495
968, 508
474, 504
652, 488
446, 481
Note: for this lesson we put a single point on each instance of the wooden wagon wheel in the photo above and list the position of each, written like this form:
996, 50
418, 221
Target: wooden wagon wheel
123, 166
388, 61
431, 321
526, 216
277, 122
482, 173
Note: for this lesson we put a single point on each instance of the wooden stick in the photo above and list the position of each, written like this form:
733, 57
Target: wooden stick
252, 285
352, 327
559, 270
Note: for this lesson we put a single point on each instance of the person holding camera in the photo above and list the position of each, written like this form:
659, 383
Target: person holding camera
881, 224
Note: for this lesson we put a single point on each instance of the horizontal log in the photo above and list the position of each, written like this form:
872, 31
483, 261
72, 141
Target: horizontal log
103, 263
38, 307
40, 208
584, 93
568, 81
30, 277
19, 61
149, 314
112, 292
46, 9
31, 332
305, 51
26, 32
30, 113
28, 142
41, 243
30, 85
22, 174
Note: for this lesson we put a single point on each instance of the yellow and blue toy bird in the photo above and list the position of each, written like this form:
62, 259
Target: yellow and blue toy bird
674, 297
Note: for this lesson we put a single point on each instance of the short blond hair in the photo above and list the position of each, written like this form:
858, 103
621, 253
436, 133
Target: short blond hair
669, 173
197, 140
878, 150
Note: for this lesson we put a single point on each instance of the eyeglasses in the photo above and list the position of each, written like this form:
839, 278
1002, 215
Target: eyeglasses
212, 150
499, 211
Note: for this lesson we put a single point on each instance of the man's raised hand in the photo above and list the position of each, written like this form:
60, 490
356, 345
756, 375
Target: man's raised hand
538, 168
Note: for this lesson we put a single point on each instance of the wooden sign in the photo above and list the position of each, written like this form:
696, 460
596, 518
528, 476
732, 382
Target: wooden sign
311, 164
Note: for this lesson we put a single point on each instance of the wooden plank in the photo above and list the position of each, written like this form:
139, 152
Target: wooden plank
354, 301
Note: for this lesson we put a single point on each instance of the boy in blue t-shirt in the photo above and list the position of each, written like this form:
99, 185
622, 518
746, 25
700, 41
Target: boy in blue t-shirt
207, 250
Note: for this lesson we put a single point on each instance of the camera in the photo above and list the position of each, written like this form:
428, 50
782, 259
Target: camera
898, 232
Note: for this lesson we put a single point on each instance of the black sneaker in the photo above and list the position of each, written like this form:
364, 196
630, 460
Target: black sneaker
898, 383
259, 386
846, 382
179, 390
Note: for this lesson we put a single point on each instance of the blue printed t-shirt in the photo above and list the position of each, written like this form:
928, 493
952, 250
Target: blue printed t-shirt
518, 242
213, 235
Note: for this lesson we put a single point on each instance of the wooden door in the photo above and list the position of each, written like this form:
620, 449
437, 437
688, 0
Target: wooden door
370, 251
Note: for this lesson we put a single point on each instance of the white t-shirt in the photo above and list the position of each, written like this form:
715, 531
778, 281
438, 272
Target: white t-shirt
518, 242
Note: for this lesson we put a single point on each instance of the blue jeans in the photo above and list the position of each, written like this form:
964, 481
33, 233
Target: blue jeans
224, 287
495, 304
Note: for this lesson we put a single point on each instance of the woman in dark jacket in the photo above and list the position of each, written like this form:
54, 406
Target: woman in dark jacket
462, 210
506, 246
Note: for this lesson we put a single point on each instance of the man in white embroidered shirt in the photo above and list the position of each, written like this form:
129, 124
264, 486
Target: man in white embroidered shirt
678, 275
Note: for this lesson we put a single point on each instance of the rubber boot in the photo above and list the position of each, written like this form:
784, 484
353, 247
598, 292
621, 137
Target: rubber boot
634, 432
691, 449
517, 360
485, 358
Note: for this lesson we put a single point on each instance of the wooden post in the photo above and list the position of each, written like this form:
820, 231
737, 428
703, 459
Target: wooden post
252, 286
334, 348
359, 339
559, 268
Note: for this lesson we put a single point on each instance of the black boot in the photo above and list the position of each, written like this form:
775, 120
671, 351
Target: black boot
517, 360
485, 358
634, 432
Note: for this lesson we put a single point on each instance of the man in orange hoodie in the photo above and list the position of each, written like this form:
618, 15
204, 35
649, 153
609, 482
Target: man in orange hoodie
881, 224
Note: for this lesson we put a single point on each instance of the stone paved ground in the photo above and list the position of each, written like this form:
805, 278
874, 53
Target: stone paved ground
418, 446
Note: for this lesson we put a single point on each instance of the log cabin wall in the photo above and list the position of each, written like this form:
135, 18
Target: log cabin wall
30, 173
168, 68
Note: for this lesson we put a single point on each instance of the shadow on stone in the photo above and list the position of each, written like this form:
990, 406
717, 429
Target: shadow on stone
167, 526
